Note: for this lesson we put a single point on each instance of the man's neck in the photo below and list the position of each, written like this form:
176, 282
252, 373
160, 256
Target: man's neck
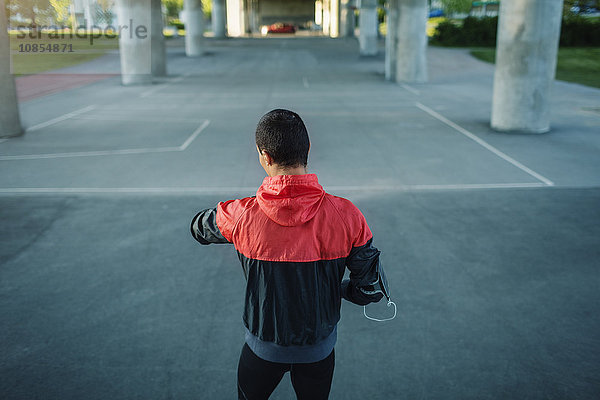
275, 170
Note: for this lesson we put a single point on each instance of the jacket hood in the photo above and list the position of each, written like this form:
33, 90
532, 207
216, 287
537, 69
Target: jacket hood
290, 200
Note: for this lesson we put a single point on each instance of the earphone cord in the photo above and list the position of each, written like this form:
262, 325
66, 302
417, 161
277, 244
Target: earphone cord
389, 303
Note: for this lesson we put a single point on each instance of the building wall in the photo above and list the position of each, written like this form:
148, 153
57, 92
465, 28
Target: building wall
291, 11
481, 9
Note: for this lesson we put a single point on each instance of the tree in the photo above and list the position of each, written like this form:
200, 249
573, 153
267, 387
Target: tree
32, 10
207, 8
456, 6
173, 7
104, 11
573, 7
61, 11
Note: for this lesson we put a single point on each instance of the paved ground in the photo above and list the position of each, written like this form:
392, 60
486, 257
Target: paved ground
39, 85
491, 241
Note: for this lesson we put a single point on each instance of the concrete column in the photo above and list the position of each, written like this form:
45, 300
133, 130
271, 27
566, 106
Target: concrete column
334, 18
326, 17
236, 18
159, 56
135, 47
346, 18
526, 49
194, 27
411, 36
319, 13
88, 15
367, 21
391, 40
252, 17
10, 123
219, 18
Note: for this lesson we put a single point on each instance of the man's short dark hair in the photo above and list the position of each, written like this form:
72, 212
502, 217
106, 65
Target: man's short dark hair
282, 134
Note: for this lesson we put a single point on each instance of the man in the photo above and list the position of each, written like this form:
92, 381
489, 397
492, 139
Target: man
294, 242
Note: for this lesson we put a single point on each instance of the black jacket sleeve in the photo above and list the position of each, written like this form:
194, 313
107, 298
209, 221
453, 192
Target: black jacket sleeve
204, 227
364, 266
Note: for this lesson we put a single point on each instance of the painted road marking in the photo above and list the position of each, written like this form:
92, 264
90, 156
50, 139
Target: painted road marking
165, 190
194, 135
101, 117
305, 82
440, 187
89, 153
159, 86
182, 147
149, 92
485, 144
410, 89
59, 119
252, 189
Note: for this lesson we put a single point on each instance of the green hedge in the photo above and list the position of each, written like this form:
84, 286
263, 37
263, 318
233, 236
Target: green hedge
576, 31
471, 32
176, 23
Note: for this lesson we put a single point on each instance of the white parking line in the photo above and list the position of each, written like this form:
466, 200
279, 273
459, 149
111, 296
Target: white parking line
252, 189
162, 85
105, 117
184, 146
441, 187
194, 135
485, 144
59, 119
157, 190
410, 89
149, 92
89, 153
305, 82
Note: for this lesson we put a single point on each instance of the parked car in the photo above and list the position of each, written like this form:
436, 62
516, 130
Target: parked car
280, 27
584, 10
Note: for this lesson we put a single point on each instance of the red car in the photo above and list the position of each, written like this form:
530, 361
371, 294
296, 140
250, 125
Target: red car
280, 27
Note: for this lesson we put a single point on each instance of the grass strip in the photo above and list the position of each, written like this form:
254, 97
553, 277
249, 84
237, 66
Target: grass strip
45, 53
575, 64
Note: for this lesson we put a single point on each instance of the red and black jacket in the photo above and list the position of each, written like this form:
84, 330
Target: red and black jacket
294, 242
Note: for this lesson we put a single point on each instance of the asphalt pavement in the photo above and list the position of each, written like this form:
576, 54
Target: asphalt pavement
491, 242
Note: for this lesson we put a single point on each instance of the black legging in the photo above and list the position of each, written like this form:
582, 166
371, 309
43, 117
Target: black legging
257, 378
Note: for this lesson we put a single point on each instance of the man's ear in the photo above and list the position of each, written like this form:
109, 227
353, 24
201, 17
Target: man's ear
265, 156
268, 158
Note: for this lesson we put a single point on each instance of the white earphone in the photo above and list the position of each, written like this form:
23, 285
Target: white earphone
389, 303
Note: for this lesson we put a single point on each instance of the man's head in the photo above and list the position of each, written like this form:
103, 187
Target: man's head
282, 137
